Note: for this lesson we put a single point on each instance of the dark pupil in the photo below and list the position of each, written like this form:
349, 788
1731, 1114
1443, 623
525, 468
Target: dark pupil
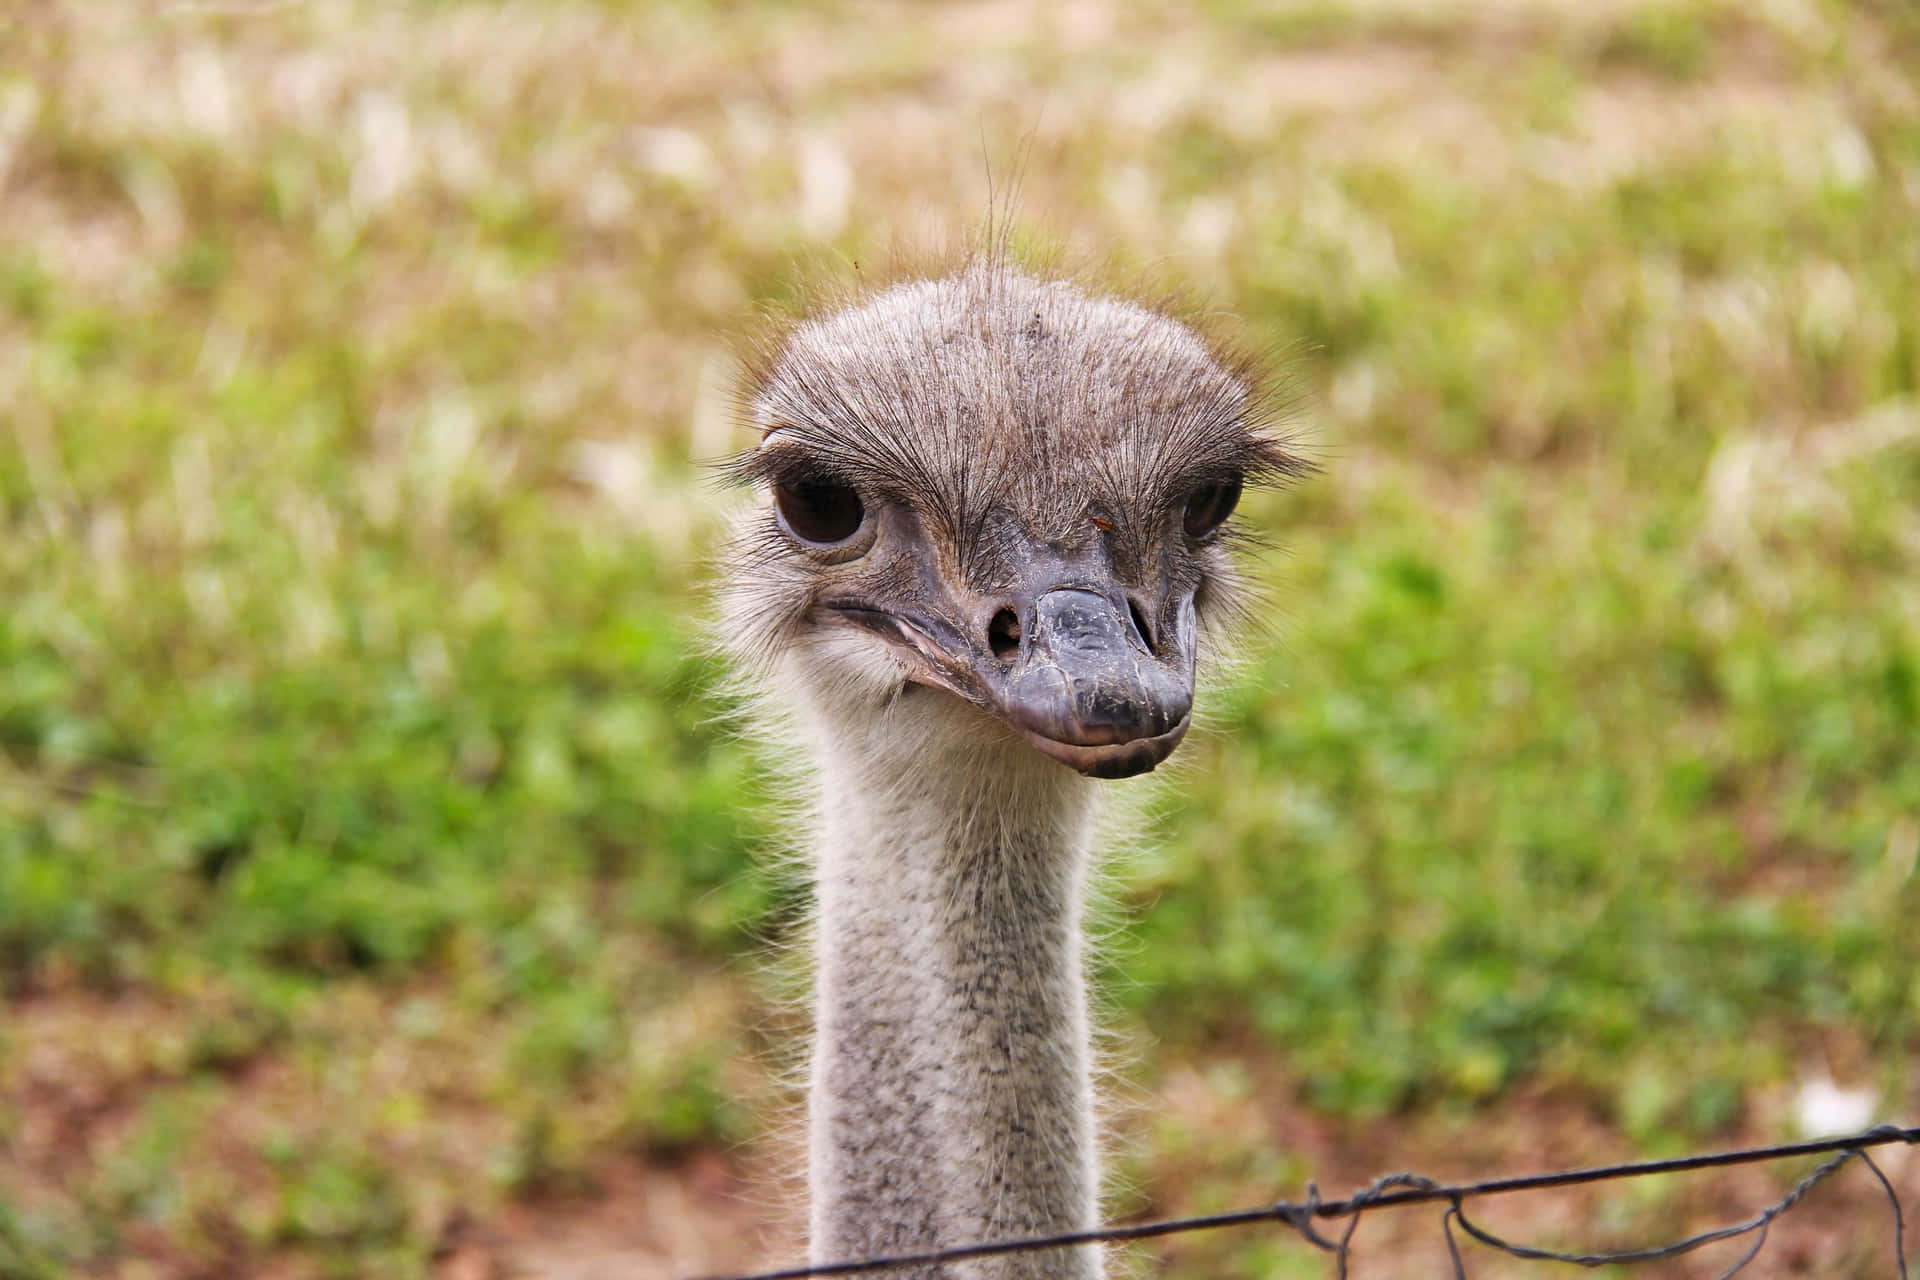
1210, 505
818, 510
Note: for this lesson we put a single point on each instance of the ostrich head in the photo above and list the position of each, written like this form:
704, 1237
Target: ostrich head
1000, 503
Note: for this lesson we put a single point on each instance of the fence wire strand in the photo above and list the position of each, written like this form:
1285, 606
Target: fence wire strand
1400, 1189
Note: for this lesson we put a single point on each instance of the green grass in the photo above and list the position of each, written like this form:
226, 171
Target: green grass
373, 847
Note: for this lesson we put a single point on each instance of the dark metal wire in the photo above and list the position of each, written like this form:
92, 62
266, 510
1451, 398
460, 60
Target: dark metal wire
1652, 1253
1396, 1189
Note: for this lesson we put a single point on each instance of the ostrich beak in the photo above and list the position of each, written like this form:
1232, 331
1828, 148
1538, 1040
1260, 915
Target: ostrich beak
1086, 689
1075, 677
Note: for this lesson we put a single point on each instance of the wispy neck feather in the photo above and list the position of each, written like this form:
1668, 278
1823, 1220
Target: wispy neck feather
951, 1100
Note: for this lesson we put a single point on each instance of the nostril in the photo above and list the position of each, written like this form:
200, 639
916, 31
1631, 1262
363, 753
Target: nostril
1003, 634
1140, 623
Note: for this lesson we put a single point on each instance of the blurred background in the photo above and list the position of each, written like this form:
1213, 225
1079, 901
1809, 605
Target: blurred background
382, 891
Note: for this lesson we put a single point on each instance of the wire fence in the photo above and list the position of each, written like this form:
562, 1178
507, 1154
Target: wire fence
1400, 1189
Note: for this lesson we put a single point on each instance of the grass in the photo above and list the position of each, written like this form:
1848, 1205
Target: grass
373, 851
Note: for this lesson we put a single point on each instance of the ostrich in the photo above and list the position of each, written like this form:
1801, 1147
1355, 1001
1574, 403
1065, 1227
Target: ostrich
996, 551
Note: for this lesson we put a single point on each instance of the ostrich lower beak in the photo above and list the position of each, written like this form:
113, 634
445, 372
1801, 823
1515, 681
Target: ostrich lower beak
1083, 686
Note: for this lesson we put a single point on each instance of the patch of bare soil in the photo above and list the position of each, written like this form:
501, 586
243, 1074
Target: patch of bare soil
641, 1222
1845, 1228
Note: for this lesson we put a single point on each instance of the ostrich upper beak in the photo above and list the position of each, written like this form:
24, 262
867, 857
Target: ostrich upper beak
1073, 673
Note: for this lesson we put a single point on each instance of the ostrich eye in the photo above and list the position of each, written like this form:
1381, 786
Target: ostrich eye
819, 511
1209, 506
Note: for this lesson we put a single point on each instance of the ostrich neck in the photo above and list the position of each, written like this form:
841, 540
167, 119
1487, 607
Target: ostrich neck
951, 1100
